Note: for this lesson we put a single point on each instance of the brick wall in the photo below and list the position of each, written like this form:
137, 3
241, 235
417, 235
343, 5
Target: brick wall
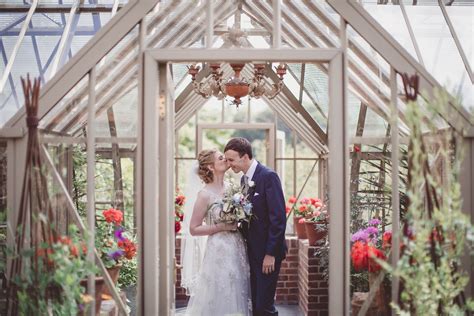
181, 298
287, 288
313, 290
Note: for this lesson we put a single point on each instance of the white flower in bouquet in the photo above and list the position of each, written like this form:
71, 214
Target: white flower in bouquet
235, 206
237, 197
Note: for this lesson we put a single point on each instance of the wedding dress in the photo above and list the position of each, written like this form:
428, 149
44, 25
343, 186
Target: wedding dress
223, 282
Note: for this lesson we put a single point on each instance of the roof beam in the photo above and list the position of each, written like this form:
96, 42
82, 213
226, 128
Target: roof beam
399, 58
21, 36
465, 60
57, 8
89, 56
10, 78
66, 38
126, 57
115, 79
370, 96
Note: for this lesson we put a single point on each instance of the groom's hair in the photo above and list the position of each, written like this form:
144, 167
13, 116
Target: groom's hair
240, 145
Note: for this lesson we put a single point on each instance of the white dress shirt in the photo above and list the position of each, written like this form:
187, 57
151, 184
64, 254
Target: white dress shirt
252, 169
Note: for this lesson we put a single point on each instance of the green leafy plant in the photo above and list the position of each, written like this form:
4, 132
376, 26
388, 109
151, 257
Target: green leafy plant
435, 231
56, 288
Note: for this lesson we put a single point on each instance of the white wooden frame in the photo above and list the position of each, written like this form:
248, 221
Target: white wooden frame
156, 145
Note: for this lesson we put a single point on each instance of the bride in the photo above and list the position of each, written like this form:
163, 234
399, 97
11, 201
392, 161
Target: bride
219, 282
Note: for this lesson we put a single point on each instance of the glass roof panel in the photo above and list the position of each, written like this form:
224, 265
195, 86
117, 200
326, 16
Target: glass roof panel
437, 47
124, 116
39, 47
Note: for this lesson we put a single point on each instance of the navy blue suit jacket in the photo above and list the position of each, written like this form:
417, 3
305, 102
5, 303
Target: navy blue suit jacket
266, 232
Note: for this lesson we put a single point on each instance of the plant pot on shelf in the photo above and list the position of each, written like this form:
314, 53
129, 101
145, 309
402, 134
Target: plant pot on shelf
114, 273
99, 287
380, 305
299, 228
315, 231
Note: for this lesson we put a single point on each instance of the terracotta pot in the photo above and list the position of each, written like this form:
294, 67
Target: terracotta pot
379, 305
315, 234
114, 273
299, 228
99, 287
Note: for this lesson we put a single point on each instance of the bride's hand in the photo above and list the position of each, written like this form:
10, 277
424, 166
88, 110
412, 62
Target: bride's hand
229, 226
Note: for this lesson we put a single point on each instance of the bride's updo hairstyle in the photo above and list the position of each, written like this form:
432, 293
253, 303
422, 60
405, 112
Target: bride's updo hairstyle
206, 158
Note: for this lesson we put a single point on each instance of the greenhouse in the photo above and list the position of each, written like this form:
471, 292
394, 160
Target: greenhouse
356, 197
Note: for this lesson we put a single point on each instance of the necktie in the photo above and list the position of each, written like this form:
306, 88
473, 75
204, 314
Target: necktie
245, 183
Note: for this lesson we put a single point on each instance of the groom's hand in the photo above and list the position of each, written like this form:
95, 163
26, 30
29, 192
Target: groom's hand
268, 264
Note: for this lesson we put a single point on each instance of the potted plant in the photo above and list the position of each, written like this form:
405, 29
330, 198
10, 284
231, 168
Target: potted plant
316, 223
369, 247
51, 282
299, 213
114, 244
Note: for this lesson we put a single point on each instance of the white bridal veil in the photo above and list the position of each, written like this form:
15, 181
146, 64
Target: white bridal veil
192, 247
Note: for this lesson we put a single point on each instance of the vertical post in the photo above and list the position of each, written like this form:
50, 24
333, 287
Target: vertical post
395, 181
149, 221
276, 24
91, 182
339, 184
165, 192
337, 192
139, 171
210, 23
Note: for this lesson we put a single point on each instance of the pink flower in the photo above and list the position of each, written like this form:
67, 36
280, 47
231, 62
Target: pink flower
301, 221
305, 201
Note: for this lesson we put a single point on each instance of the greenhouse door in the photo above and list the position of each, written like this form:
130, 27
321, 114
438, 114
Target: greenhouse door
156, 188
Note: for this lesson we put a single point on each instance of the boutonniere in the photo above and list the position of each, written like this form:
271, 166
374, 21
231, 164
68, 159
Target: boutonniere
251, 184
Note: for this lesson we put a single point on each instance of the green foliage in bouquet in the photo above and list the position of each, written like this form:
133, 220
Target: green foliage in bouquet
436, 233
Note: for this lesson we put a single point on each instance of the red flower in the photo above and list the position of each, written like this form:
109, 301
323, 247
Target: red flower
180, 200
129, 248
177, 227
305, 201
356, 149
387, 239
292, 200
303, 208
288, 209
363, 256
113, 216
359, 256
374, 253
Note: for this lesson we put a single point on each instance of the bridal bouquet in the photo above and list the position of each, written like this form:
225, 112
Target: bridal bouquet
235, 206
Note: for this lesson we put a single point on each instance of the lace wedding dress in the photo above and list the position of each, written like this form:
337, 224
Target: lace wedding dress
223, 284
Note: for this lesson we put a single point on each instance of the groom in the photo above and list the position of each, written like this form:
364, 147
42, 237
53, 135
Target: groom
266, 232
